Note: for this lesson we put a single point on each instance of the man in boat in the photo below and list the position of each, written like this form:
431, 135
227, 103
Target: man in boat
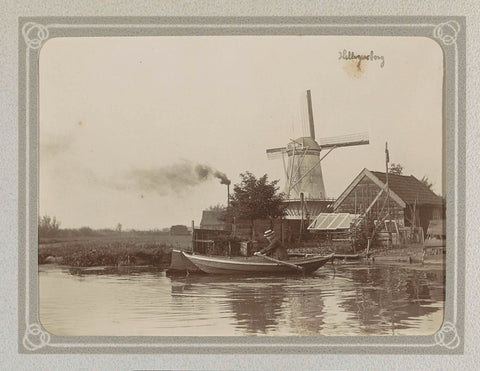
275, 247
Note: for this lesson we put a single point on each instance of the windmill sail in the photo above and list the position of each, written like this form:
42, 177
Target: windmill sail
344, 140
274, 153
310, 115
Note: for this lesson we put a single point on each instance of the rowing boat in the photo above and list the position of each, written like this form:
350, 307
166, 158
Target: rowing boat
181, 264
256, 264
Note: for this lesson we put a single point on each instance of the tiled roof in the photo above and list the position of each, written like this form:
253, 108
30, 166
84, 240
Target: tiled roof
409, 189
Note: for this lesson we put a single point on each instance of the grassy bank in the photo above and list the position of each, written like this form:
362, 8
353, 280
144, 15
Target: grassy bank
110, 252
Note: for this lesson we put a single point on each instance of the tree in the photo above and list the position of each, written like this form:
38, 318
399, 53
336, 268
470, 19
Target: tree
256, 199
217, 208
396, 169
427, 182
48, 226
119, 228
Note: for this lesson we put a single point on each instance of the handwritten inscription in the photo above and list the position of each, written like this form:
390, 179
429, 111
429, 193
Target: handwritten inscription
372, 57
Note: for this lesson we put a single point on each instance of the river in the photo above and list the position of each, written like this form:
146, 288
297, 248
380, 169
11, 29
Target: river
348, 299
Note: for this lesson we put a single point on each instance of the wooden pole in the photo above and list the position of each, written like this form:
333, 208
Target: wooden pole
387, 160
228, 195
301, 216
193, 236
297, 267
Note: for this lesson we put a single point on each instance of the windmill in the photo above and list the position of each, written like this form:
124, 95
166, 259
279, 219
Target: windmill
303, 171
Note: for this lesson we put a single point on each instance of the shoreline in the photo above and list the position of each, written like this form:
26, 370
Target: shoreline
98, 253
128, 253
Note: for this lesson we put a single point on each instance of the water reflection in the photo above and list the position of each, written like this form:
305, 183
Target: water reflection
256, 303
385, 299
353, 299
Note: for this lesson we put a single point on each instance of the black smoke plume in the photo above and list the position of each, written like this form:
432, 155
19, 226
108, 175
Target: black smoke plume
176, 177
205, 172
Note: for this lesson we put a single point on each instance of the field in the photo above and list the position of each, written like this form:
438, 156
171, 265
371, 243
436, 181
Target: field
111, 250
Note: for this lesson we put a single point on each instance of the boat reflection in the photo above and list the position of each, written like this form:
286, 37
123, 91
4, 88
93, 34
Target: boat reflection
259, 305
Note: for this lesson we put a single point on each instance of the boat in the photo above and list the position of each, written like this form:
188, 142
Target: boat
307, 263
435, 237
181, 264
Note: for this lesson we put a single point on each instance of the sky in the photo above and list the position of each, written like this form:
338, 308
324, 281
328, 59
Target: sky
142, 130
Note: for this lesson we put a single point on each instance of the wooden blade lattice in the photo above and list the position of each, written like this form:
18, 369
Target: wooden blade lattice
344, 140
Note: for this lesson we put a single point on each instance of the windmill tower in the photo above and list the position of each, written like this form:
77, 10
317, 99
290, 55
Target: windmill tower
304, 184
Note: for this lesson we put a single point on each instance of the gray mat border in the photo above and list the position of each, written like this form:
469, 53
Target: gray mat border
448, 32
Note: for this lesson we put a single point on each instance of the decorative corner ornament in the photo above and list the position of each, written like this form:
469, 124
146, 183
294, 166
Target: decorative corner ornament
34, 34
447, 336
447, 32
35, 337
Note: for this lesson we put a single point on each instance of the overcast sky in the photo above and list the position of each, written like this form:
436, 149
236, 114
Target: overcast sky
124, 122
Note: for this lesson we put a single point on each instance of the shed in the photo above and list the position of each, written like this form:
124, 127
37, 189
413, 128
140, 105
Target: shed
213, 219
411, 202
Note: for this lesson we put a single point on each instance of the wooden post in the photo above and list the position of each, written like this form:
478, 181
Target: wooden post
228, 195
282, 231
193, 237
387, 160
301, 216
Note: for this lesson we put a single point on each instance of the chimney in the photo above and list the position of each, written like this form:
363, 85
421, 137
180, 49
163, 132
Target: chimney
228, 194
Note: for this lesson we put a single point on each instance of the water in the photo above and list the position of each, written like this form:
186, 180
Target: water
350, 299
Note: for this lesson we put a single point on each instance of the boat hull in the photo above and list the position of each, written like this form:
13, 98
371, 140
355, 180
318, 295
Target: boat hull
254, 264
181, 264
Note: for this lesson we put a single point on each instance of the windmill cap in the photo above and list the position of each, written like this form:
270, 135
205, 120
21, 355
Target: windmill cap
269, 233
304, 141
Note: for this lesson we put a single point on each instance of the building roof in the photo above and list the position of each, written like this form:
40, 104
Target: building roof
403, 189
332, 221
211, 217
409, 189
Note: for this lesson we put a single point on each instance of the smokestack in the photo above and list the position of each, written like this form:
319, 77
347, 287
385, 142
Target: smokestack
228, 194
310, 114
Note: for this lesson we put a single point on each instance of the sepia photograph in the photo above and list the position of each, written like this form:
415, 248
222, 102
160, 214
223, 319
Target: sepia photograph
241, 186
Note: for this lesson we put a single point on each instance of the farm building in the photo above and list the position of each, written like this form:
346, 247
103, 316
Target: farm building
179, 230
411, 202
213, 220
